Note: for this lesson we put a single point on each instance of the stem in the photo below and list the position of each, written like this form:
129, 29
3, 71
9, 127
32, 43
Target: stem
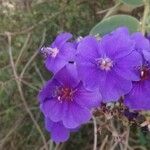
145, 15
95, 133
112, 10
21, 91
127, 138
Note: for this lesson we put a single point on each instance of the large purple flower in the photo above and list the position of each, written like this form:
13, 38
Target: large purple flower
108, 64
139, 96
142, 45
65, 99
60, 53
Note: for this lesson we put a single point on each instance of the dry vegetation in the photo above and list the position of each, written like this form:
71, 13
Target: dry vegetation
25, 25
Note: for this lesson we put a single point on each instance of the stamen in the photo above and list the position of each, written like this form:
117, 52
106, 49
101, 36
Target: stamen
65, 94
48, 51
105, 63
144, 73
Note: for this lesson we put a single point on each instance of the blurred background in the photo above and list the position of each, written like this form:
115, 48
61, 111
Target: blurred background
26, 25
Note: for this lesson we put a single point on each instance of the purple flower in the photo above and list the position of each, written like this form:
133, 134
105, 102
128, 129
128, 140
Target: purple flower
108, 64
142, 45
60, 53
58, 132
139, 97
65, 99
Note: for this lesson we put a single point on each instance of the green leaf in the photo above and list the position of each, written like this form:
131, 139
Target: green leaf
109, 24
133, 2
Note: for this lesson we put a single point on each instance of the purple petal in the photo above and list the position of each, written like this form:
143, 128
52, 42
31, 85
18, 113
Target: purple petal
48, 124
47, 92
112, 86
66, 54
61, 39
59, 133
68, 51
76, 116
142, 45
87, 98
67, 76
139, 97
141, 42
116, 45
127, 66
121, 30
88, 47
146, 55
54, 109
88, 72
55, 64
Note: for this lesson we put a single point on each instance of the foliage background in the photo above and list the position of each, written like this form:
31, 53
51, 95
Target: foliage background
25, 25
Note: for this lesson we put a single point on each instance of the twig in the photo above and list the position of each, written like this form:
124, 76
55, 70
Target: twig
112, 10
57, 146
127, 138
114, 146
61, 146
33, 56
28, 64
39, 73
23, 49
104, 143
42, 148
29, 85
146, 12
21, 92
95, 133
103, 11
50, 145
121, 146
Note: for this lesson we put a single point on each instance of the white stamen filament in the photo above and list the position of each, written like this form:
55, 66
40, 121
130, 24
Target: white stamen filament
142, 73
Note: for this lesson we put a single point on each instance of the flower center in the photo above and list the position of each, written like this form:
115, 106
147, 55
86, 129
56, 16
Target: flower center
65, 94
48, 51
145, 73
105, 63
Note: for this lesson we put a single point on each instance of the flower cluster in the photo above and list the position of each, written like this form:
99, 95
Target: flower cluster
89, 71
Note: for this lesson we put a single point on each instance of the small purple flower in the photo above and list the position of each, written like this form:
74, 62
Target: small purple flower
142, 45
65, 99
60, 53
58, 132
139, 97
108, 64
